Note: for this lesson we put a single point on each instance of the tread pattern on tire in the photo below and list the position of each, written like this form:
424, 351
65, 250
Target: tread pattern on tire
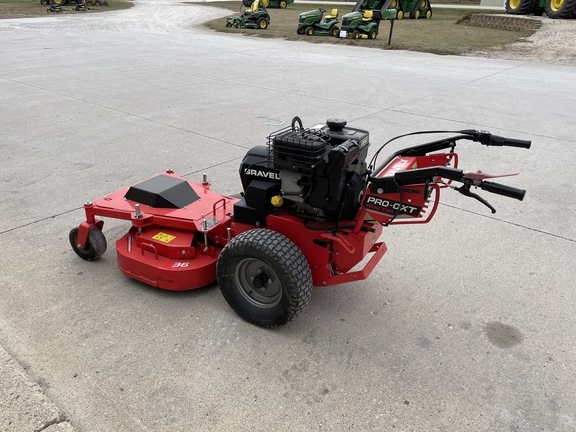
524, 8
284, 256
567, 10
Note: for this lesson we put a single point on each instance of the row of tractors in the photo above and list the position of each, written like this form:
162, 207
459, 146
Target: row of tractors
57, 3
356, 25
362, 23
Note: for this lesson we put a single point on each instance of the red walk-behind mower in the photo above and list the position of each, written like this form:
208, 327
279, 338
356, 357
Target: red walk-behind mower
312, 208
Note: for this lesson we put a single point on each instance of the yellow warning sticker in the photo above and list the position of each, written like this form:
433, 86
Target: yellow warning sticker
163, 237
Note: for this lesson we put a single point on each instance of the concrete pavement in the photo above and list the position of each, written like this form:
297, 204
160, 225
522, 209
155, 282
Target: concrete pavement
23, 404
466, 325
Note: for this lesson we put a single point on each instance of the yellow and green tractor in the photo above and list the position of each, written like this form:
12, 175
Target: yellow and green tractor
257, 17
274, 4
553, 8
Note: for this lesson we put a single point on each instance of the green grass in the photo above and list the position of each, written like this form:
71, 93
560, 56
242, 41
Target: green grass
33, 8
439, 35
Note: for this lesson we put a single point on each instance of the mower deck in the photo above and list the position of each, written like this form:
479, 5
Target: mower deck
178, 229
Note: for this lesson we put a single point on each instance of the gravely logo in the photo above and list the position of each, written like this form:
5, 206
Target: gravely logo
382, 205
274, 175
400, 165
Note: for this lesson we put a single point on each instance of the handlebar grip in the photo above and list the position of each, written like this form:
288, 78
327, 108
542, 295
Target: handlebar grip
496, 140
504, 190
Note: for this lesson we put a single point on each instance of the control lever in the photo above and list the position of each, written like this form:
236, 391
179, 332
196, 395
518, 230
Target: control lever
479, 175
465, 190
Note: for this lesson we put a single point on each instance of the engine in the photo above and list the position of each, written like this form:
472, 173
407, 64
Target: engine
316, 173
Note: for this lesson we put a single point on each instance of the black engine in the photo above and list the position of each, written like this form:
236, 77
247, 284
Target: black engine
316, 173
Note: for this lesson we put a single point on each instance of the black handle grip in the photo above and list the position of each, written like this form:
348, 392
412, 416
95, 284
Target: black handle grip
504, 190
486, 138
496, 140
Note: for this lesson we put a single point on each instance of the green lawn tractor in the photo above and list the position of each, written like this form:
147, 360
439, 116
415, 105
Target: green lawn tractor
257, 17
364, 25
274, 4
315, 23
404, 8
417, 8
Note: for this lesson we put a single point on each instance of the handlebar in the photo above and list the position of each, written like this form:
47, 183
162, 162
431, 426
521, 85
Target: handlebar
384, 180
486, 138
504, 190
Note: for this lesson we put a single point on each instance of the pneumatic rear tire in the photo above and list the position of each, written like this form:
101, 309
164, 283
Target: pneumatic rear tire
264, 277
560, 8
262, 23
518, 7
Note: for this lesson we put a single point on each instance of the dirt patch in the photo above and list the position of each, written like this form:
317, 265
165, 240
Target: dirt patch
439, 35
554, 43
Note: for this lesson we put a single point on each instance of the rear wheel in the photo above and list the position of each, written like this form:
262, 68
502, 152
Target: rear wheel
425, 9
264, 277
560, 8
283, 4
518, 7
95, 246
44, 2
58, 2
238, 25
372, 34
334, 31
262, 23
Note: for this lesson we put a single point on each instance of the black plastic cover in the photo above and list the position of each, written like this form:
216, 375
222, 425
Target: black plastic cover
162, 191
